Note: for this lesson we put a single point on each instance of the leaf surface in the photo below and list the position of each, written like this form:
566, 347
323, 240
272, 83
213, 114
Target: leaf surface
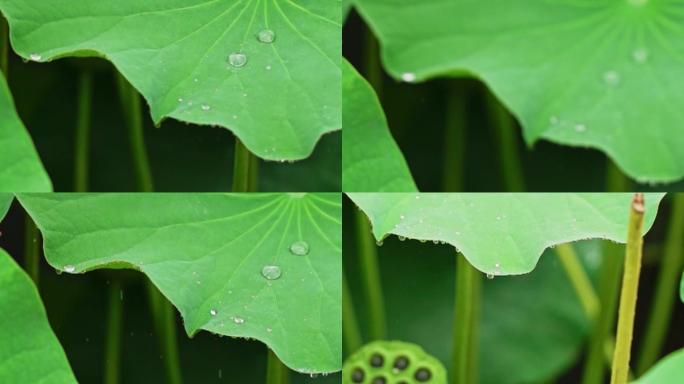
670, 369
177, 53
20, 166
209, 254
601, 74
372, 161
503, 234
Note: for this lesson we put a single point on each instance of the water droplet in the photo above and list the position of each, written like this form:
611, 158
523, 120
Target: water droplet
237, 59
299, 248
35, 57
206, 108
580, 127
401, 238
269, 330
238, 320
640, 55
69, 268
379, 243
408, 77
553, 120
490, 277
611, 78
212, 312
180, 99
268, 67
266, 36
271, 272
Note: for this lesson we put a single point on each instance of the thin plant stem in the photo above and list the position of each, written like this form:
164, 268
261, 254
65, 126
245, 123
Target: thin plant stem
31, 250
506, 130
467, 307
579, 279
666, 290
113, 336
82, 148
276, 372
628, 293
132, 108
253, 173
164, 318
455, 138
350, 326
370, 278
4, 46
372, 68
244, 168
616, 181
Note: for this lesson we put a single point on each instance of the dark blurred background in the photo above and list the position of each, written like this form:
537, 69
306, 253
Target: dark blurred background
418, 117
182, 157
77, 310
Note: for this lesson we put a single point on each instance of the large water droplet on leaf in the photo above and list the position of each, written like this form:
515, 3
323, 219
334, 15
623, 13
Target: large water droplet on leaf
271, 272
266, 36
237, 59
299, 248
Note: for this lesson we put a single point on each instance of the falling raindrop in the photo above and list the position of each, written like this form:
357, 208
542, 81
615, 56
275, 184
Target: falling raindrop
299, 248
271, 272
266, 36
237, 59
69, 268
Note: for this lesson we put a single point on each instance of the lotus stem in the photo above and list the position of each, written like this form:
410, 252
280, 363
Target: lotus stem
506, 130
245, 168
82, 147
370, 278
468, 281
351, 332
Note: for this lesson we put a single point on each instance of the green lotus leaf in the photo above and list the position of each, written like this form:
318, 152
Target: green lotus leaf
255, 67
262, 266
372, 161
601, 74
503, 234
668, 370
20, 166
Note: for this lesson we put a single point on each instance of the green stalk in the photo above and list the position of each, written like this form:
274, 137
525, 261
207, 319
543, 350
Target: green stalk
276, 372
372, 68
253, 173
506, 131
350, 326
579, 279
164, 318
81, 155
130, 100
455, 138
31, 250
629, 291
616, 181
113, 336
244, 169
666, 290
467, 308
4, 46
370, 278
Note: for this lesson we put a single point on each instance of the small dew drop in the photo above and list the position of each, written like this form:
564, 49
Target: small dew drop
238, 320
611, 78
580, 127
408, 77
266, 36
206, 108
69, 268
212, 312
490, 277
269, 330
268, 67
271, 272
553, 120
35, 57
299, 248
640, 55
180, 99
401, 238
237, 59
379, 243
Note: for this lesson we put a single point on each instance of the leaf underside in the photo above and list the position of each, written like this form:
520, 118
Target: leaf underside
176, 53
502, 234
206, 253
372, 160
20, 166
600, 74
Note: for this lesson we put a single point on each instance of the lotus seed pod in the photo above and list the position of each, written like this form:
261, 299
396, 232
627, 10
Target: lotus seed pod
392, 362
